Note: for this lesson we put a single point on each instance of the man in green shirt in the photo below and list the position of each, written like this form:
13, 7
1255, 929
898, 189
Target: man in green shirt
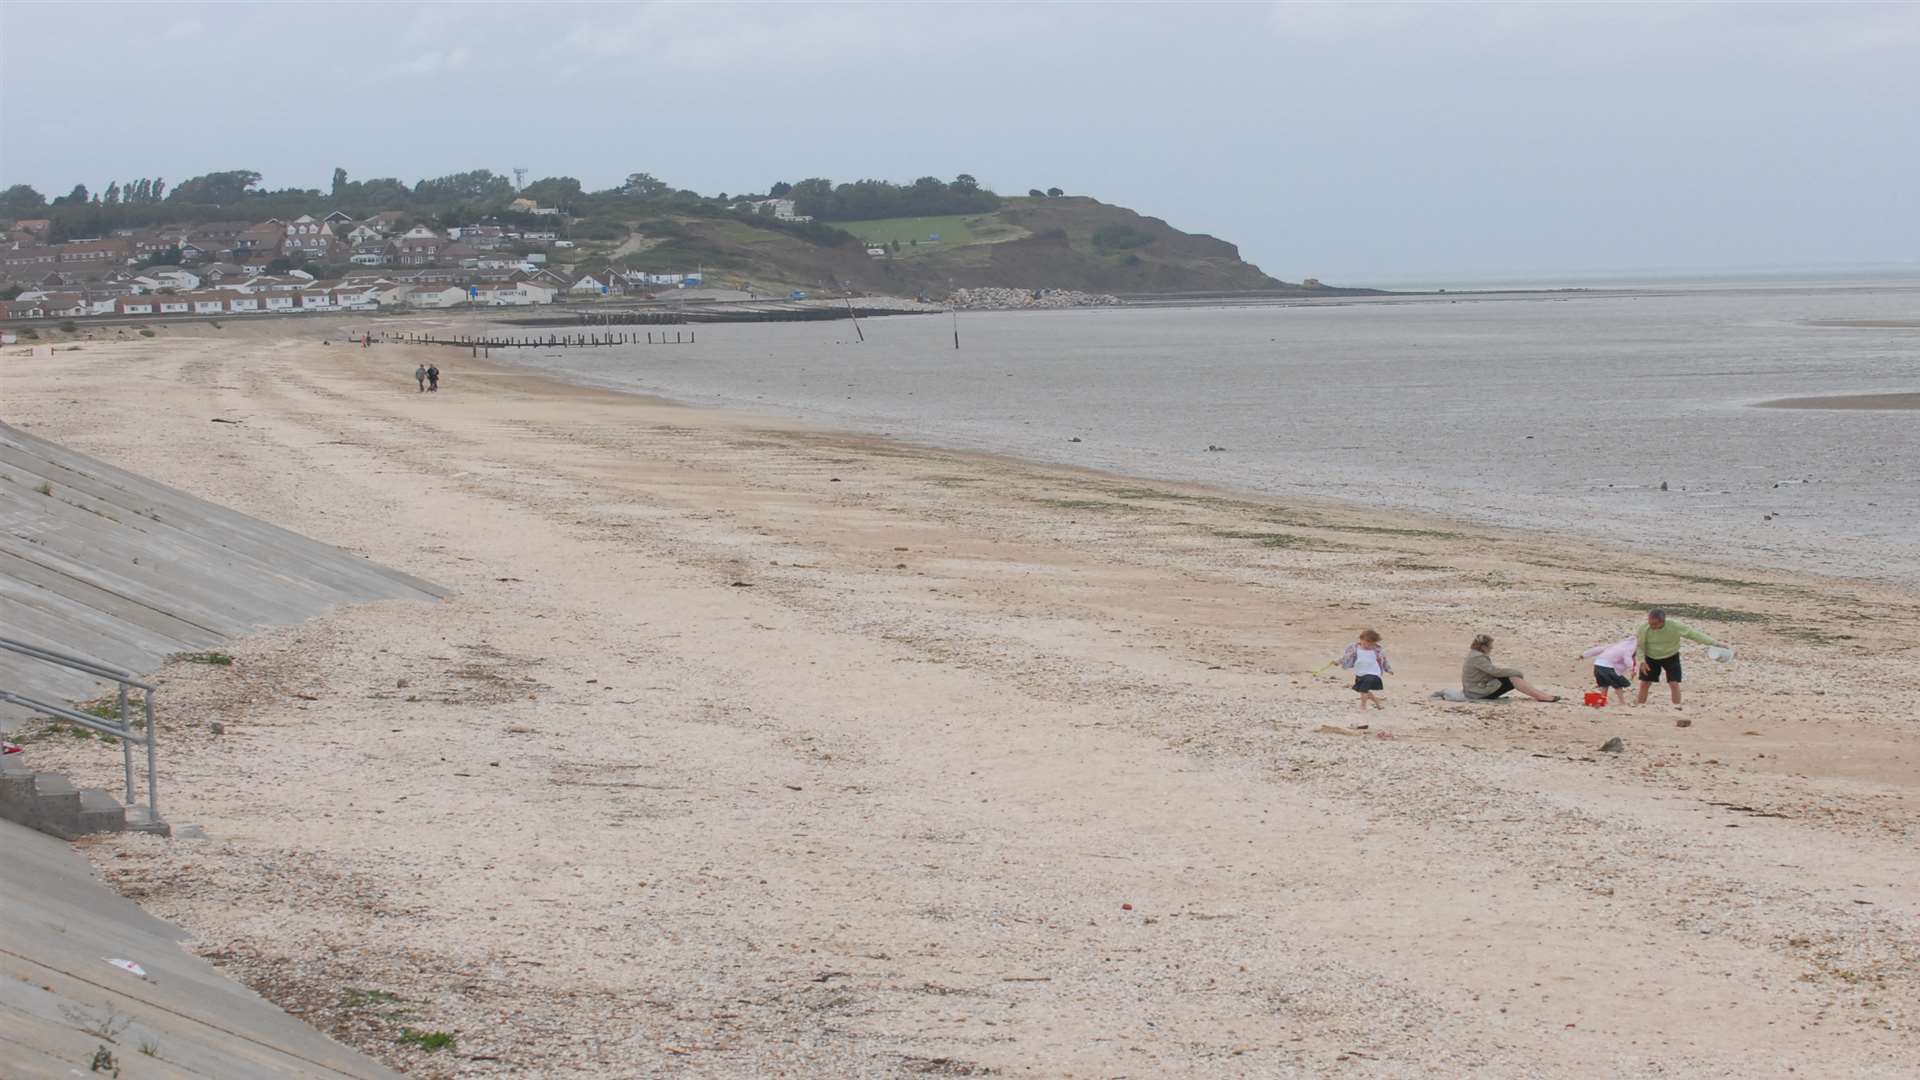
1657, 649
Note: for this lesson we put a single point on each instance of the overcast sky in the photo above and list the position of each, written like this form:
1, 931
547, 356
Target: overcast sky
1346, 142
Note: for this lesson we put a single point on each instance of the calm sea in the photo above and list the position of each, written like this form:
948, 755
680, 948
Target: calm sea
1559, 412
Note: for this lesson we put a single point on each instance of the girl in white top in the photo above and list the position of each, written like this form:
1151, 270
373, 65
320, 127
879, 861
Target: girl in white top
1368, 661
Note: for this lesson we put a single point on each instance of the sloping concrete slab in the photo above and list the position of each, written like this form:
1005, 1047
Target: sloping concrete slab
102, 563
61, 1001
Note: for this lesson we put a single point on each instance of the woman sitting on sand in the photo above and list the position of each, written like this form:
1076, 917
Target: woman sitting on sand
1483, 681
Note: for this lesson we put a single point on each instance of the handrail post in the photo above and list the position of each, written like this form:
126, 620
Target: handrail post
126, 745
153, 769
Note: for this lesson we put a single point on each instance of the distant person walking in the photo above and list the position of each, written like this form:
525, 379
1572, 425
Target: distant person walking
1482, 680
1611, 666
1657, 645
420, 376
1368, 661
433, 378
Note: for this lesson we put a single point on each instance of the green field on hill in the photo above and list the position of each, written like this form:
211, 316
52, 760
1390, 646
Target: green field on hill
955, 230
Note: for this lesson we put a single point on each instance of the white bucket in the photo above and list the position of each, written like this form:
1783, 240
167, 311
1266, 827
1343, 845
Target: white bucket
1719, 652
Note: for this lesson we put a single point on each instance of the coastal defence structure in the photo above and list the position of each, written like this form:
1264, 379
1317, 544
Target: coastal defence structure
104, 573
117, 572
91, 985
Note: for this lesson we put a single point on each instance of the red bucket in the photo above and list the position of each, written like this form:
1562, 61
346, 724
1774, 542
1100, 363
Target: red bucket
1596, 699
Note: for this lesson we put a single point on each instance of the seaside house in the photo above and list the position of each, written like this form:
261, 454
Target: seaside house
66, 305
366, 232
309, 237
265, 238
166, 277
437, 296
418, 246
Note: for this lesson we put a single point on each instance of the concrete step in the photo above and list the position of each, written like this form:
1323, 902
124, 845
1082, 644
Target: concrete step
16, 783
47, 802
55, 807
100, 812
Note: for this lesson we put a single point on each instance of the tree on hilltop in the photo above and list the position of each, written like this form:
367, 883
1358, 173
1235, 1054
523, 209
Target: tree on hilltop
21, 200
779, 190
217, 189
553, 190
644, 185
1054, 193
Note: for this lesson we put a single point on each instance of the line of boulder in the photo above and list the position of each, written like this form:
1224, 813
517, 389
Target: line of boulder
994, 299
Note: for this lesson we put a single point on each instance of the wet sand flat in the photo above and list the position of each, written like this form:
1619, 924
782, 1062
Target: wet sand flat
1898, 402
748, 749
1869, 324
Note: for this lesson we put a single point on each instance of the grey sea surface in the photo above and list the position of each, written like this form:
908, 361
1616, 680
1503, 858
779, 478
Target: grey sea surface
1556, 412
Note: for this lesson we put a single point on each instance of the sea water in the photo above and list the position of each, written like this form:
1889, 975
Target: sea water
1623, 415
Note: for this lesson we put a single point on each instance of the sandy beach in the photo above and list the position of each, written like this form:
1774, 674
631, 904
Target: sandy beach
743, 749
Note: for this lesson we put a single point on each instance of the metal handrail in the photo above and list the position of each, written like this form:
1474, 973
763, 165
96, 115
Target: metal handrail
150, 738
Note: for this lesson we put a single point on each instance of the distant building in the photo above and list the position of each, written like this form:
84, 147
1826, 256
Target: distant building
418, 246
779, 209
308, 237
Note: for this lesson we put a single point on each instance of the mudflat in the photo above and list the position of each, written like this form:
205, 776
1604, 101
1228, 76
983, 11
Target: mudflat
746, 749
1847, 401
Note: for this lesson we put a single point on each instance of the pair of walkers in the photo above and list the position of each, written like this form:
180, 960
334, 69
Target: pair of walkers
1651, 653
428, 376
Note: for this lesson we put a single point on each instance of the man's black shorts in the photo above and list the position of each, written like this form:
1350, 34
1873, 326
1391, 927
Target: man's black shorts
1608, 679
1650, 669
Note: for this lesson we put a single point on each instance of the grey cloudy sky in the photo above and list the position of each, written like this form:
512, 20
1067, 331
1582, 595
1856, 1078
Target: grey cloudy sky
1340, 141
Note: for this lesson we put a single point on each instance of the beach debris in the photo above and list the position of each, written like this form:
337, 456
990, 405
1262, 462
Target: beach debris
217, 728
1126, 907
1335, 729
127, 966
224, 420
1076, 438
1663, 485
834, 480
1683, 722
402, 683
1212, 449
743, 585
1614, 745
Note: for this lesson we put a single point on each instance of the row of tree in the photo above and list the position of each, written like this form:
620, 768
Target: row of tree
865, 200
462, 197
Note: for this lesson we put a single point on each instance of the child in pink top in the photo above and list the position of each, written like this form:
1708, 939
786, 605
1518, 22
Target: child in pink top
1612, 665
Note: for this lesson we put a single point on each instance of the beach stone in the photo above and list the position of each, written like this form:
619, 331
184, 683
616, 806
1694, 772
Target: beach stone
1613, 745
